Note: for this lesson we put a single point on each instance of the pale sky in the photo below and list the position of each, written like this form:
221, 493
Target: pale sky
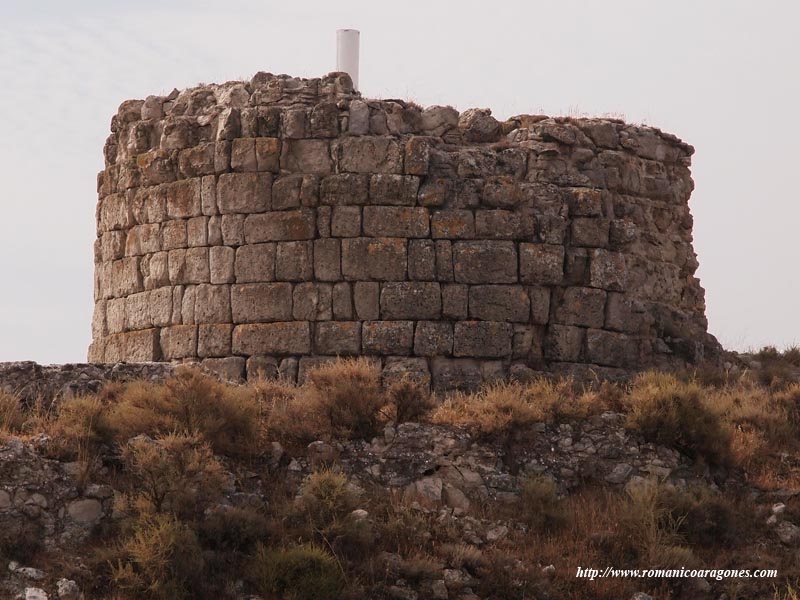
722, 75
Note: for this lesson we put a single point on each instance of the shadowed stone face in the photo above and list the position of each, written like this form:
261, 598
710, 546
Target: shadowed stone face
279, 224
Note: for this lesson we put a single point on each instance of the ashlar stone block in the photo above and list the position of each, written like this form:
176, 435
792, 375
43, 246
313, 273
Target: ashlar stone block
306, 156
284, 338
279, 226
388, 337
261, 302
312, 302
344, 189
327, 259
393, 190
582, 306
366, 297
214, 340
382, 259
346, 221
178, 341
485, 262
411, 300
499, 303
564, 343
293, 261
369, 154
255, 263
433, 338
541, 264
482, 339
244, 192
453, 224
392, 221
338, 337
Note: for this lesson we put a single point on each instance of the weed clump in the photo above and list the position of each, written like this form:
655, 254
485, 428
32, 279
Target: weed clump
342, 399
410, 400
226, 417
12, 417
676, 414
305, 572
652, 530
175, 473
161, 560
539, 505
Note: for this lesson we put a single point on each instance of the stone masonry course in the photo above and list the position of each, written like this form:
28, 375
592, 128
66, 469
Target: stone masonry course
264, 226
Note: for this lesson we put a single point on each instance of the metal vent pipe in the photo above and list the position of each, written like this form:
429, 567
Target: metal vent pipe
347, 41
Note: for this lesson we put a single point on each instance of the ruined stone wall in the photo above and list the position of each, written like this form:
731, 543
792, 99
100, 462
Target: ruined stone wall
263, 226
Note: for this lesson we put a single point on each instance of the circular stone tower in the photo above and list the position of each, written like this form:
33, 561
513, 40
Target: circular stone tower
261, 227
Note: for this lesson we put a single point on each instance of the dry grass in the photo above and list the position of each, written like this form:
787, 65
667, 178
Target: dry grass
175, 473
342, 399
161, 560
226, 417
12, 417
166, 445
410, 400
677, 414
305, 572
504, 407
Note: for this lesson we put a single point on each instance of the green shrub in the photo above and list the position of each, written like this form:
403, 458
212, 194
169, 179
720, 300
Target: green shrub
304, 572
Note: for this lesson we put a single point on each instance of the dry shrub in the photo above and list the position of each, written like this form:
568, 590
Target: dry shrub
421, 567
463, 556
305, 572
410, 400
703, 518
677, 414
778, 369
327, 496
651, 529
12, 416
232, 530
341, 399
496, 408
79, 431
504, 575
175, 473
539, 506
81, 421
504, 407
227, 417
349, 397
161, 560
402, 530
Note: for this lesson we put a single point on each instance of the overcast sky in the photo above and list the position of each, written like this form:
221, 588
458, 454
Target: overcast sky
722, 75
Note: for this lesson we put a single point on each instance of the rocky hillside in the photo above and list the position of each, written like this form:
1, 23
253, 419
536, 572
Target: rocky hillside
352, 487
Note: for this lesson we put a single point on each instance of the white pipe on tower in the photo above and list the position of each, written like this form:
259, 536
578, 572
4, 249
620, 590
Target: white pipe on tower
347, 41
